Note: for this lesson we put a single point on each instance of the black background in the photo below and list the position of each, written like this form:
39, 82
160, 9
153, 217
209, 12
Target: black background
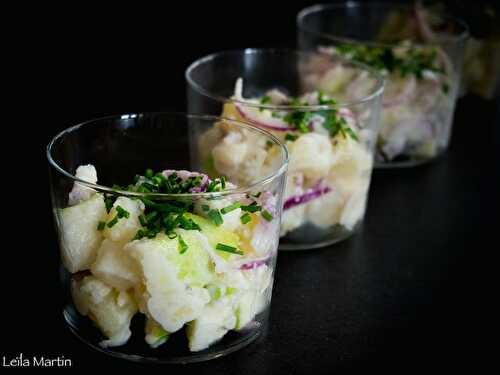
411, 292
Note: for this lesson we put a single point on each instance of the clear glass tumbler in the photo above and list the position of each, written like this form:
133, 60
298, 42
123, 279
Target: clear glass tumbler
331, 138
161, 260
420, 54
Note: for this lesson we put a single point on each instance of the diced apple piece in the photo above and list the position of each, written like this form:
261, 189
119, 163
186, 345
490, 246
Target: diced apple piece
155, 334
126, 228
115, 267
231, 219
174, 281
216, 319
111, 310
80, 238
216, 234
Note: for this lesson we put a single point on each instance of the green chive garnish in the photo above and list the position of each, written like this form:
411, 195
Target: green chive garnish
253, 207
113, 221
101, 225
230, 208
291, 137
216, 217
246, 218
109, 204
265, 99
223, 182
143, 220
140, 233
121, 212
151, 216
228, 249
182, 245
267, 215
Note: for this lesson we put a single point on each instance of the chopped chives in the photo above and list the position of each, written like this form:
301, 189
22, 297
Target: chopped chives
182, 244
253, 207
109, 204
228, 249
143, 189
148, 186
143, 220
291, 137
265, 99
246, 218
151, 216
113, 221
165, 216
216, 217
121, 212
140, 233
230, 208
157, 180
267, 215
211, 186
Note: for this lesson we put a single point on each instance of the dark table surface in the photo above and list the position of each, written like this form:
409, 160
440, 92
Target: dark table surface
406, 293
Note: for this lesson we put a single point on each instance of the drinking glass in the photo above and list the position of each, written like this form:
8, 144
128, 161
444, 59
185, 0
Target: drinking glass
420, 54
163, 277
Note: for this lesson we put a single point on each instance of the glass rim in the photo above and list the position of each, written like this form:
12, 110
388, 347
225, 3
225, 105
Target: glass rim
464, 34
377, 91
106, 189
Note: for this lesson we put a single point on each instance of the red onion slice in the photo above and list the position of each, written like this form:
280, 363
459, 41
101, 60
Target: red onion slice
253, 264
309, 195
272, 123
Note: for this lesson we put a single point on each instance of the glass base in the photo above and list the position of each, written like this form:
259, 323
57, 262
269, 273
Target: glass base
407, 162
175, 350
295, 240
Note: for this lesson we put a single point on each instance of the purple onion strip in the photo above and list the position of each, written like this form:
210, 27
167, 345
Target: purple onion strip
309, 195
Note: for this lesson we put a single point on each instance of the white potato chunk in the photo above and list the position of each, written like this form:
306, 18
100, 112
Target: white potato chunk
312, 155
216, 319
79, 236
240, 156
81, 193
354, 208
173, 296
110, 309
325, 210
115, 267
155, 334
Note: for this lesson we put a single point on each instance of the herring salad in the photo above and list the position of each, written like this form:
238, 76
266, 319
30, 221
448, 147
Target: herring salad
199, 261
